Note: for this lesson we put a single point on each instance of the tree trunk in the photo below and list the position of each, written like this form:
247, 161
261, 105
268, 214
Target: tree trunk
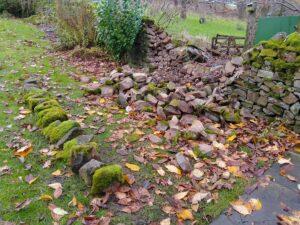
183, 9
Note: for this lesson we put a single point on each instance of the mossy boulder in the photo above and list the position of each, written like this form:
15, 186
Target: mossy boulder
231, 116
56, 130
268, 53
35, 97
81, 154
105, 177
46, 105
50, 115
67, 150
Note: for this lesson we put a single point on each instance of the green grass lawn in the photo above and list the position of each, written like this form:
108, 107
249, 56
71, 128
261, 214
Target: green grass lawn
23, 53
213, 26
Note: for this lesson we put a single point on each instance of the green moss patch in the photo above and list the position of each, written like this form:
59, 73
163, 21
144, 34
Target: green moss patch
46, 105
105, 177
56, 130
50, 115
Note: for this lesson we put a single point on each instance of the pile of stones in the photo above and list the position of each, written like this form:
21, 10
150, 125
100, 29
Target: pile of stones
67, 136
172, 61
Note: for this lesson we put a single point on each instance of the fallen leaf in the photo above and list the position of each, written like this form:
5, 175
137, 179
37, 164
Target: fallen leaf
180, 195
283, 161
24, 151
5, 170
173, 169
255, 204
165, 222
56, 173
161, 172
129, 178
132, 167
23, 204
30, 179
241, 207
46, 198
185, 214
231, 138
199, 196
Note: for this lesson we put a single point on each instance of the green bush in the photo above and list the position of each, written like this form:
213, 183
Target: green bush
18, 8
119, 22
76, 23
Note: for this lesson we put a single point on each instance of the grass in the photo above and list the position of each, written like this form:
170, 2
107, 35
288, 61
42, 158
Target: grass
212, 27
24, 52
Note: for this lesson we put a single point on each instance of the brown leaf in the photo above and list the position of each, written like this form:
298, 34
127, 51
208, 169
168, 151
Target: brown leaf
24, 151
23, 205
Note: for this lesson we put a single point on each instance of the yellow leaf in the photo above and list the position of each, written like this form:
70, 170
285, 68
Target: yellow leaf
132, 167
33, 180
235, 170
255, 204
297, 148
56, 173
24, 151
173, 169
231, 137
241, 207
185, 214
102, 100
180, 195
46, 198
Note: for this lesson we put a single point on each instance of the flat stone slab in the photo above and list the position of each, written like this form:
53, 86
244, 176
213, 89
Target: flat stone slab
279, 191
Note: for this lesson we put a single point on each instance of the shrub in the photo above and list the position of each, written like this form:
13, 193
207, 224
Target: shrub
76, 23
119, 22
18, 8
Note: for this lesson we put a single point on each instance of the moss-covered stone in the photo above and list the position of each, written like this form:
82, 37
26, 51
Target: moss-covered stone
105, 177
109, 82
50, 115
56, 130
231, 116
35, 97
268, 53
152, 88
67, 150
46, 105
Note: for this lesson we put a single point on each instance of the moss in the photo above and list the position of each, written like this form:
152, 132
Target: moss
198, 153
108, 82
246, 149
151, 122
187, 135
147, 109
105, 177
85, 148
67, 150
119, 69
231, 116
50, 115
268, 53
136, 86
152, 88
34, 100
260, 164
134, 137
55, 131
46, 105
293, 40
174, 103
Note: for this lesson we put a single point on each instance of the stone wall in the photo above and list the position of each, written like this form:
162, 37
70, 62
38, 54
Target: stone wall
263, 93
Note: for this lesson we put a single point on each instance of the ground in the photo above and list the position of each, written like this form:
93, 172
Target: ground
212, 27
24, 192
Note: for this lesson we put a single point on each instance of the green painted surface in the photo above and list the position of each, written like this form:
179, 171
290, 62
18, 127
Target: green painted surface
269, 26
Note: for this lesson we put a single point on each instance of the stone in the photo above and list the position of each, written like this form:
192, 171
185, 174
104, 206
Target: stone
85, 79
86, 172
140, 77
71, 134
229, 68
252, 96
262, 101
206, 149
183, 162
185, 107
160, 112
208, 90
162, 97
241, 93
122, 100
197, 128
151, 99
155, 139
92, 88
171, 86
265, 74
212, 116
237, 61
162, 126
295, 109
126, 84
275, 109
141, 105
107, 91
173, 123
197, 103
84, 139
187, 119
171, 134
189, 97
290, 99
170, 110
